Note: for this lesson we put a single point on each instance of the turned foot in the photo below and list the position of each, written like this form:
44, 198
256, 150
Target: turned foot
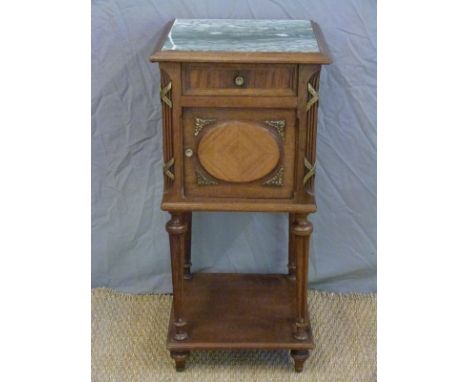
299, 357
180, 357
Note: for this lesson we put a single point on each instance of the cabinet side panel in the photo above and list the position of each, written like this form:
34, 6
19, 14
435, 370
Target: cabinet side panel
168, 149
311, 137
307, 107
170, 98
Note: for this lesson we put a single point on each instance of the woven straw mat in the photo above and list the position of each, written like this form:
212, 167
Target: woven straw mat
129, 335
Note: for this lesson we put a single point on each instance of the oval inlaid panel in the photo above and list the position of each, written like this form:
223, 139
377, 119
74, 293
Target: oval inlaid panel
238, 152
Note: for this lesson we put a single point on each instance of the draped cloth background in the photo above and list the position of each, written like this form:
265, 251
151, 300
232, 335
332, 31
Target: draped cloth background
130, 249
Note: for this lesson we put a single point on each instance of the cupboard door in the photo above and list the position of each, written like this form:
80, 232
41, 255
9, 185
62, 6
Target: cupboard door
236, 153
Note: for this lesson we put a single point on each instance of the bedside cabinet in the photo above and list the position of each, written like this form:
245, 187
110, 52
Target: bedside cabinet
239, 105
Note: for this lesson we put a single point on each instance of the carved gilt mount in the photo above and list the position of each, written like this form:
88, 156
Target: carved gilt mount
311, 171
200, 123
204, 180
164, 94
278, 126
276, 179
167, 168
314, 96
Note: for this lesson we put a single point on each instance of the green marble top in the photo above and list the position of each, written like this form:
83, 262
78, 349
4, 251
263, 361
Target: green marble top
223, 35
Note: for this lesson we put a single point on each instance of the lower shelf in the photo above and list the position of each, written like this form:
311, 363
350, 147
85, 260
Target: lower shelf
239, 311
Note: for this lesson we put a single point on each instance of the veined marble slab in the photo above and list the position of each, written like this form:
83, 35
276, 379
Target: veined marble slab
222, 35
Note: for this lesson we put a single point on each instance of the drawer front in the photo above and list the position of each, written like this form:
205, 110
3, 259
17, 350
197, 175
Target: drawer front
239, 79
235, 153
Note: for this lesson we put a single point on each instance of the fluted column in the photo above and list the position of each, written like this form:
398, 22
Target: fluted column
177, 228
301, 231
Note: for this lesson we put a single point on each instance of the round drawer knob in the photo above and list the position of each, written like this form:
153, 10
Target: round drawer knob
239, 80
188, 153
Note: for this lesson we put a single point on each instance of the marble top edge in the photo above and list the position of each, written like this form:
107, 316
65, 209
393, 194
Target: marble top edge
241, 35
245, 20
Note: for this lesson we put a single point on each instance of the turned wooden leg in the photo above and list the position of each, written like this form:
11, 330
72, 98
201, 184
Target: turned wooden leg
188, 247
301, 230
299, 357
291, 254
180, 357
177, 227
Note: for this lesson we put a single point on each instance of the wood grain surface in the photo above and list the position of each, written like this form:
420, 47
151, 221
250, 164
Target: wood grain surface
219, 79
239, 152
258, 311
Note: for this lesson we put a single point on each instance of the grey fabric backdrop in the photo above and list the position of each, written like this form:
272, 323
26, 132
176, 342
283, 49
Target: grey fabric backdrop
129, 243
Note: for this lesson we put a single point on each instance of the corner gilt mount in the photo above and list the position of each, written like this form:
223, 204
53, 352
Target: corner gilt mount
203, 180
164, 94
311, 171
200, 123
314, 96
167, 169
276, 179
278, 126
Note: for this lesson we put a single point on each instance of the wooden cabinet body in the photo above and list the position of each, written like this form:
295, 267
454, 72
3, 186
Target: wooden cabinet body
239, 131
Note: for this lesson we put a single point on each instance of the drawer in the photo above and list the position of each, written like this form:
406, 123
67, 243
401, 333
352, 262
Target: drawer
239, 153
239, 79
